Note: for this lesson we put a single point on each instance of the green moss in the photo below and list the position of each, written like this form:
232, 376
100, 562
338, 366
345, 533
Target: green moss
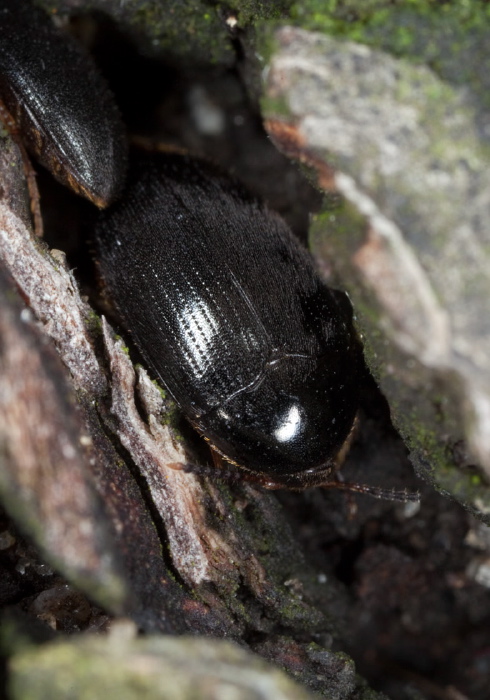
160, 390
425, 438
340, 226
424, 423
14, 638
278, 106
251, 11
422, 438
353, 18
154, 667
192, 29
94, 323
182, 27
124, 347
449, 37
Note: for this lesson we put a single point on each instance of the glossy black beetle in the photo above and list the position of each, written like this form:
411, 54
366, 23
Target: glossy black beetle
261, 357
228, 311
51, 92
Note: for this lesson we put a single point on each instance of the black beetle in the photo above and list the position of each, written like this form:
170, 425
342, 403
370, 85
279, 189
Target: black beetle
52, 94
227, 309
223, 303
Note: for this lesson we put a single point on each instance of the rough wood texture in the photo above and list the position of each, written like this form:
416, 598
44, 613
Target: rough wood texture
409, 240
175, 551
293, 577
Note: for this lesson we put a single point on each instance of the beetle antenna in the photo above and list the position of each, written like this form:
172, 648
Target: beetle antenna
400, 495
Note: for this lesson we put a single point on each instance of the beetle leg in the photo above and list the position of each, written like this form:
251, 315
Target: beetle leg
178, 466
220, 468
217, 459
154, 146
401, 495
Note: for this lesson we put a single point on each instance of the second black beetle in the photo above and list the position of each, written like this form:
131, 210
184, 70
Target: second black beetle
52, 94
228, 311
